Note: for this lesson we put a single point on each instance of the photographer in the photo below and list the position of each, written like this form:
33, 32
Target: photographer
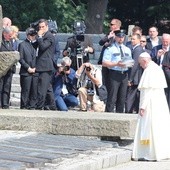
65, 86
78, 44
90, 78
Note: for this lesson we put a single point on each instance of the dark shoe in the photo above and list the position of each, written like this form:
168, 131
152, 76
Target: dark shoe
50, 108
46, 108
5, 107
31, 108
82, 110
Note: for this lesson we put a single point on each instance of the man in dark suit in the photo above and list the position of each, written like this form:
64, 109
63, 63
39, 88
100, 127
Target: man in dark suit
158, 51
6, 80
44, 63
153, 39
135, 73
28, 76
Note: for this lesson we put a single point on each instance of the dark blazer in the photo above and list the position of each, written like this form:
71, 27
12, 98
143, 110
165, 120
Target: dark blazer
135, 72
149, 44
154, 52
27, 57
46, 50
166, 66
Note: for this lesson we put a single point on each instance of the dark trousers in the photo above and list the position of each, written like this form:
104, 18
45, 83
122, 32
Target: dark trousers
117, 91
44, 81
132, 99
28, 91
105, 77
167, 93
50, 101
5, 89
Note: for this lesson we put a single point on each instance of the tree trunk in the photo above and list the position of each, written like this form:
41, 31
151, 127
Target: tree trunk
95, 16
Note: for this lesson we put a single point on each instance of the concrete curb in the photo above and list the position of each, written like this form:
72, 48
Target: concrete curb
69, 123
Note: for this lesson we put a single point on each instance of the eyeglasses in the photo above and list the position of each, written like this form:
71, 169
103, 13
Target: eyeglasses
112, 24
142, 41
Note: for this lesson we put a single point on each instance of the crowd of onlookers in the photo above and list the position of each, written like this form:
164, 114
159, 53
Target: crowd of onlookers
111, 86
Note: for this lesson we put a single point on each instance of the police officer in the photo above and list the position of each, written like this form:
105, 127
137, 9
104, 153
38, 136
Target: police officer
118, 72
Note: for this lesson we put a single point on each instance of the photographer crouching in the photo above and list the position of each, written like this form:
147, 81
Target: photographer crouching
90, 80
65, 86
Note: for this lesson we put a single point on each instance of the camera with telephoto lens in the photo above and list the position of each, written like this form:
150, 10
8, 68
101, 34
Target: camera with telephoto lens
88, 69
66, 68
89, 86
63, 69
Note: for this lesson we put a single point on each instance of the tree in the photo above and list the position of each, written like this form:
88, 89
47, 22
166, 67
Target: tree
95, 16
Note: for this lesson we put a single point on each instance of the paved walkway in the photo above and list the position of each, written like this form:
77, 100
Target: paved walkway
162, 165
22, 150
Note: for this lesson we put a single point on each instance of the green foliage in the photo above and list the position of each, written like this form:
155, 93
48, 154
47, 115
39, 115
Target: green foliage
22, 12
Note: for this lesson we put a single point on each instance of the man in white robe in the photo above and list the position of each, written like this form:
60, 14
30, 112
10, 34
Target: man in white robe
152, 138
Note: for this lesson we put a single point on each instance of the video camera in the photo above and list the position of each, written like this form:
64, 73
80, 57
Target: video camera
79, 30
52, 26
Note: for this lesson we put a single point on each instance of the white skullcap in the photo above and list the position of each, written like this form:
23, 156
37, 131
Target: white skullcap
145, 55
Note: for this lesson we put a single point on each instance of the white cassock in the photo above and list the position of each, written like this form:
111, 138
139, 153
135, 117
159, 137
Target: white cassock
152, 138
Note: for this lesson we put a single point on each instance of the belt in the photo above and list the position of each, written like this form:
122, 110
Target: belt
120, 72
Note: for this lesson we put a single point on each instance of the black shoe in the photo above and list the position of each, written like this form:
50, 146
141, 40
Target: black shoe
5, 107
50, 108
46, 108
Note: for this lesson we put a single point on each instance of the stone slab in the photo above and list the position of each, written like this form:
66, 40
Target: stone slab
7, 59
11, 165
69, 123
28, 161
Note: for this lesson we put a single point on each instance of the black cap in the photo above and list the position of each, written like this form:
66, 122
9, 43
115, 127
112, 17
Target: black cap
120, 33
31, 31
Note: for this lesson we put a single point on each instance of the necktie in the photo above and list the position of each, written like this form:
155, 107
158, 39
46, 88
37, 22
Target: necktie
121, 53
7, 43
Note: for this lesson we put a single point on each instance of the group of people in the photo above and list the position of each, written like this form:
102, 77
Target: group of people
141, 86
122, 79
47, 84
131, 76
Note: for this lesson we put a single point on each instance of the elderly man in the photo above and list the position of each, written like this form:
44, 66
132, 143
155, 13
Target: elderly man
152, 136
6, 22
6, 80
158, 51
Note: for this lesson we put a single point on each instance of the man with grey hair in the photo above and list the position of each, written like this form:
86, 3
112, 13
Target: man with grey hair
152, 136
158, 52
6, 80
65, 86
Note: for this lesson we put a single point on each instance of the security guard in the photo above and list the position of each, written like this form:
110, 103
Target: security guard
114, 58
